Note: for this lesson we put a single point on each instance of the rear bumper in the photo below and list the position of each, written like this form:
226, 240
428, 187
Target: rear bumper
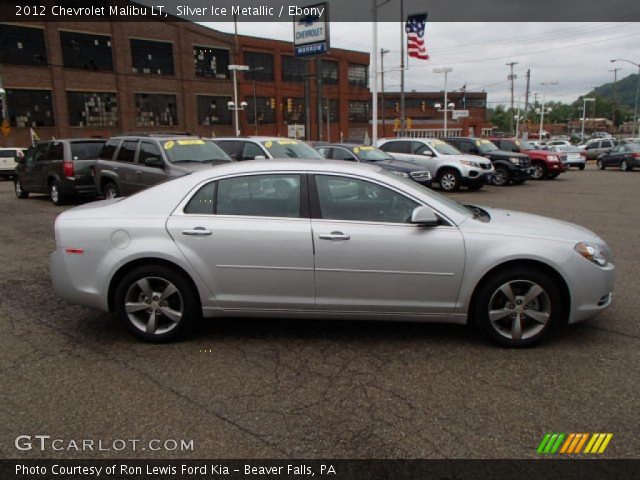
73, 187
68, 288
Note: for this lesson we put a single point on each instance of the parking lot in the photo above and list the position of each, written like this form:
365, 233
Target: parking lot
270, 389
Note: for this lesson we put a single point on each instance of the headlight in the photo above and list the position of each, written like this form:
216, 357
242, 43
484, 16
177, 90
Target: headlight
401, 174
514, 160
592, 252
553, 158
469, 163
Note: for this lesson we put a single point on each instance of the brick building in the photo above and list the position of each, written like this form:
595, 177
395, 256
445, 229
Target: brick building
80, 79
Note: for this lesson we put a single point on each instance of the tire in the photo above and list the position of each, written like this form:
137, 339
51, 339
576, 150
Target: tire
600, 165
502, 325
581, 167
163, 319
474, 187
57, 198
552, 176
110, 190
502, 177
624, 166
20, 192
539, 171
449, 180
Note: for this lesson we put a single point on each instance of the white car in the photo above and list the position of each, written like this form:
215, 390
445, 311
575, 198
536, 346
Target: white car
556, 143
9, 159
448, 166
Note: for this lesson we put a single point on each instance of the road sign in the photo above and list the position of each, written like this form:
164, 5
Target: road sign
6, 128
455, 114
311, 31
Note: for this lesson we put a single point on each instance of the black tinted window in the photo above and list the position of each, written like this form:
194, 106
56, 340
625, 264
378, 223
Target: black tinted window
151, 57
109, 149
8, 153
22, 45
232, 148
344, 198
40, 152
203, 201
148, 150
56, 151
83, 50
342, 154
92, 109
127, 152
30, 108
85, 150
260, 195
211, 62
397, 147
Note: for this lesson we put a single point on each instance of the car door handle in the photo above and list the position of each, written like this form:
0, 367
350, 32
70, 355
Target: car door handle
138, 172
115, 169
197, 232
334, 236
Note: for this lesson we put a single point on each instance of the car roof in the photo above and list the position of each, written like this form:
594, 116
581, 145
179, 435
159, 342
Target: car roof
256, 139
347, 145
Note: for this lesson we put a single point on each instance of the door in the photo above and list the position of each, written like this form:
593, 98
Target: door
35, 168
251, 150
125, 167
149, 175
369, 258
249, 239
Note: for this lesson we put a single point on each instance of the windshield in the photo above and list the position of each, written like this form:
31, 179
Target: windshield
524, 145
371, 154
485, 146
444, 148
287, 148
193, 150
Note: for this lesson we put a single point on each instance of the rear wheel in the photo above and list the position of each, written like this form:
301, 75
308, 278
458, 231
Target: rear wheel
624, 166
20, 192
501, 177
449, 180
518, 307
157, 303
539, 171
54, 192
600, 165
109, 190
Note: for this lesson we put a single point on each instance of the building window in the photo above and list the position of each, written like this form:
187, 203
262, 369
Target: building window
266, 108
476, 102
151, 57
211, 62
91, 109
213, 110
90, 52
153, 109
293, 109
332, 107
292, 69
358, 75
329, 72
261, 61
22, 45
30, 108
359, 111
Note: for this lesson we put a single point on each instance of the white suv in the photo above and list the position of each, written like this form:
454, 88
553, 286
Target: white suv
448, 166
9, 159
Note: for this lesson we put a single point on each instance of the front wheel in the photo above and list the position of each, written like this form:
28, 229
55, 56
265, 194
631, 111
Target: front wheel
600, 165
624, 166
157, 303
20, 192
501, 177
54, 192
449, 181
518, 307
539, 171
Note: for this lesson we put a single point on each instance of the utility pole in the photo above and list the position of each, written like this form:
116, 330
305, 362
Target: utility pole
526, 100
383, 52
374, 71
511, 77
319, 94
615, 97
402, 45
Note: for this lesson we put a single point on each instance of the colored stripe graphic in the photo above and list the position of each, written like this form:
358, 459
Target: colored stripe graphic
572, 443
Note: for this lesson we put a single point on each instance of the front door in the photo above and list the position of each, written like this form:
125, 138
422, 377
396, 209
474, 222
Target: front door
249, 239
147, 176
33, 179
370, 259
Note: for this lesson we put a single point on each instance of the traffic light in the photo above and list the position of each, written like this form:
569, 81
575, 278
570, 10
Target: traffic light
397, 106
289, 105
423, 106
396, 125
409, 124
272, 103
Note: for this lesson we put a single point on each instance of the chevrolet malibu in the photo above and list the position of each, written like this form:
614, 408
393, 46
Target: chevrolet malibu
325, 239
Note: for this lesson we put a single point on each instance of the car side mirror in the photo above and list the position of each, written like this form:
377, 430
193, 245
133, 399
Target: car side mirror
424, 216
259, 157
154, 162
427, 153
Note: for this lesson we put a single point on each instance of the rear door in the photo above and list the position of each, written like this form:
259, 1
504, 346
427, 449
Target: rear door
33, 179
84, 155
125, 167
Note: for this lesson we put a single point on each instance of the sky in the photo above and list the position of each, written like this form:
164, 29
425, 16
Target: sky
576, 55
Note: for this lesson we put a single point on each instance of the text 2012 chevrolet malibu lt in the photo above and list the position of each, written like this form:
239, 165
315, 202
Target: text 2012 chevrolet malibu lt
324, 239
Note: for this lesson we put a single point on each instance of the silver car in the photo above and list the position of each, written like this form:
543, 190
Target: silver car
325, 239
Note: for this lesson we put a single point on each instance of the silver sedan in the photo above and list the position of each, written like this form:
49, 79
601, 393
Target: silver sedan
324, 239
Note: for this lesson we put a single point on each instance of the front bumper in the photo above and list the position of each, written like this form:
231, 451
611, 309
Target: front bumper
520, 173
591, 289
475, 178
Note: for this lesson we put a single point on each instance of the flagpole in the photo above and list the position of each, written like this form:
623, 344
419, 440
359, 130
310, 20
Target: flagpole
402, 117
374, 79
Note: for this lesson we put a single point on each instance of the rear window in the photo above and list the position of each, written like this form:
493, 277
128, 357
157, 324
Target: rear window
108, 149
86, 150
8, 153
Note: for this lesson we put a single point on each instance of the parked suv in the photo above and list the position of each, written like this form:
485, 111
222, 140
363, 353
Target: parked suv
60, 168
449, 167
130, 163
509, 166
260, 148
9, 159
594, 148
544, 164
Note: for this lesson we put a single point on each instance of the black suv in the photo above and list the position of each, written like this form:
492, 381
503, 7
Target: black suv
129, 163
510, 167
60, 168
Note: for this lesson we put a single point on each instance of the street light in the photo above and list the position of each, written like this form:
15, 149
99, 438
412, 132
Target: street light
635, 109
233, 105
584, 113
542, 109
445, 70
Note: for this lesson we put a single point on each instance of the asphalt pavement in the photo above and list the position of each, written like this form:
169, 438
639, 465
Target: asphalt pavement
321, 389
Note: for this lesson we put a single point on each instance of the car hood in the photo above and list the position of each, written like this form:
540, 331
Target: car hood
510, 222
544, 153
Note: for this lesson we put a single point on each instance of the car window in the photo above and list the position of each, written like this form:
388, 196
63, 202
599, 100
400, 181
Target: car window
289, 148
127, 152
109, 149
231, 147
148, 150
56, 151
8, 153
85, 150
396, 147
202, 203
442, 148
260, 196
342, 154
605, 144
250, 151
344, 198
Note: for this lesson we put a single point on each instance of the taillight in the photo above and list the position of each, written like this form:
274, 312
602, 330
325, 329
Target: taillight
636, 155
67, 169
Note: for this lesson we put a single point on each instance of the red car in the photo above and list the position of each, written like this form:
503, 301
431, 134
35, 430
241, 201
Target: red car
545, 164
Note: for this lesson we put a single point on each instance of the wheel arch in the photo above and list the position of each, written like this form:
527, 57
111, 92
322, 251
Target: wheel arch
108, 177
557, 277
447, 167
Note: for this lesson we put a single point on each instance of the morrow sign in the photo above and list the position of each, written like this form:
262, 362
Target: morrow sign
311, 31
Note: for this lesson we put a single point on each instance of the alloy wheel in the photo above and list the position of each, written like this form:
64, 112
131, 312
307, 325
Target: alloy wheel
600, 165
54, 193
519, 309
110, 192
448, 181
500, 177
154, 305
538, 172
18, 187
624, 166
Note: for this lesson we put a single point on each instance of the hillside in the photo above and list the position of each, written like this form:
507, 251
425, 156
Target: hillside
625, 91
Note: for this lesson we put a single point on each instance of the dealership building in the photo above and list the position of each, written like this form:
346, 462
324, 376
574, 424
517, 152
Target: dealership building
98, 79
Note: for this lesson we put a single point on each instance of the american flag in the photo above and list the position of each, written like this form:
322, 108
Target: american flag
415, 28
